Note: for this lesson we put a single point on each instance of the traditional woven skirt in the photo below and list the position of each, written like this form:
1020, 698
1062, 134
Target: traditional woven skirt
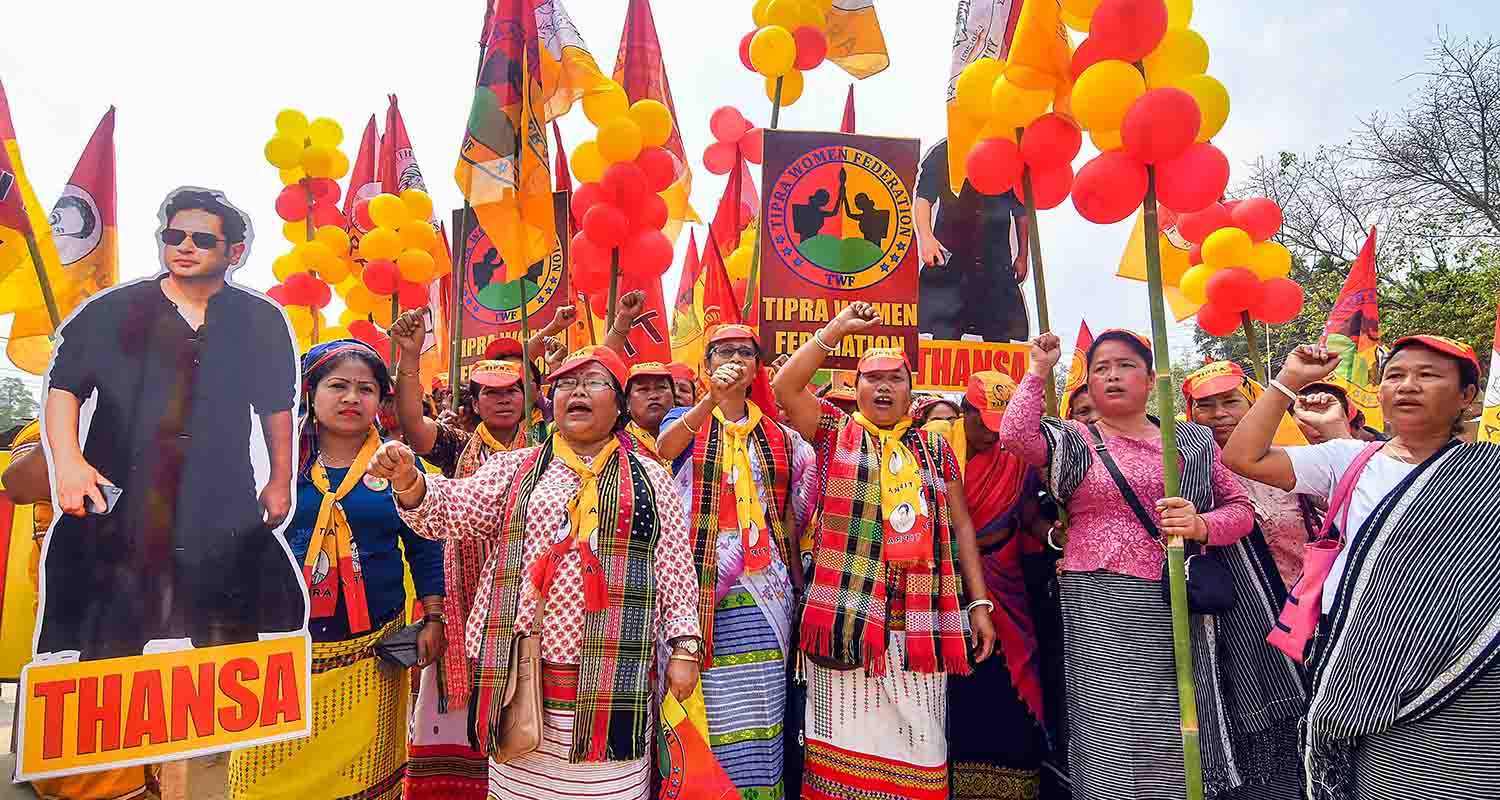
357, 750
440, 764
547, 774
874, 738
994, 743
744, 692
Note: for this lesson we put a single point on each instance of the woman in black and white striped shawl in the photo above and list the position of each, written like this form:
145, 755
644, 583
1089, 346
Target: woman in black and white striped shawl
1405, 688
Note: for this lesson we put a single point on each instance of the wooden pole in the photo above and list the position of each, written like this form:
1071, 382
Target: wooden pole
317, 313
614, 289
1257, 359
395, 312
1034, 244
42, 280
1187, 700
776, 104
456, 305
528, 392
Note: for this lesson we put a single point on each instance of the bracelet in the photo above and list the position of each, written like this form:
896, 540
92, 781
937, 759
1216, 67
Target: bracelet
689, 425
818, 337
438, 618
685, 657
987, 603
409, 487
1281, 387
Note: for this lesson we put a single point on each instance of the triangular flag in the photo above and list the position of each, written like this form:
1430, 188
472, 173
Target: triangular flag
1078, 371
20, 289
1353, 331
847, 125
560, 168
720, 306
1489, 424
687, 328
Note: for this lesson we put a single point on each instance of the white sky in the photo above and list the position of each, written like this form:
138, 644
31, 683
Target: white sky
198, 84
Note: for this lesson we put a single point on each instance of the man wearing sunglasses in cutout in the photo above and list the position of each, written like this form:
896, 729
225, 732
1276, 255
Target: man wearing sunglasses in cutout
177, 365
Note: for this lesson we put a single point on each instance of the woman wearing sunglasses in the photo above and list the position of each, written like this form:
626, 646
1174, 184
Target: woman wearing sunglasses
1405, 687
589, 550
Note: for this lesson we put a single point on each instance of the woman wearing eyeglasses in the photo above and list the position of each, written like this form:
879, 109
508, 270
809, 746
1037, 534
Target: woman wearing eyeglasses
589, 550
747, 483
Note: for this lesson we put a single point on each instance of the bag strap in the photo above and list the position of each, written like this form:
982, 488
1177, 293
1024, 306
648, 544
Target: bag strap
1338, 505
1124, 486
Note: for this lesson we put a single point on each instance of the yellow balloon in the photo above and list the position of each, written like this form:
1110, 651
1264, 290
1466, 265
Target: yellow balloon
318, 160
326, 132
1213, 103
381, 244
1180, 54
1270, 260
654, 120
333, 333
1080, 24
335, 271
349, 316
387, 210
1105, 141
418, 204
415, 265
1104, 92
1179, 14
334, 238
302, 320
791, 88
285, 266
314, 254
340, 165
1080, 8
758, 12
619, 140
284, 152
786, 13
362, 301
976, 84
998, 128
294, 232
419, 234
381, 314
1226, 248
773, 51
605, 102
293, 175
737, 266
291, 122
1194, 283
1016, 105
588, 165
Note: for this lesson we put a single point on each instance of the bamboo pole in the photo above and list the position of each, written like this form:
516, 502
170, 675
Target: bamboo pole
41, 276
456, 305
1039, 280
528, 392
614, 290
395, 312
1187, 701
1257, 359
752, 284
317, 313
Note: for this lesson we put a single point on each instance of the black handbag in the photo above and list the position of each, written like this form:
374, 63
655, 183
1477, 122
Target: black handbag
399, 647
1210, 585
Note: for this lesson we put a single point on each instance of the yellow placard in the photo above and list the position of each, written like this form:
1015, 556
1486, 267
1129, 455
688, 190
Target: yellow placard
945, 365
125, 711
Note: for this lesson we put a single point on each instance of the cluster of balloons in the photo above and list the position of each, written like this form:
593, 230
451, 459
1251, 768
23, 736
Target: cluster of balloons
1141, 92
1048, 146
302, 149
735, 137
1236, 268
789, 39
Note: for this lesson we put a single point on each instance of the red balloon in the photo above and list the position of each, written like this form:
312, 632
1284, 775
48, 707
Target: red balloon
719, 158
1215, 320
291, 204
1051, 140
362, 215
585, 255
300, 289
1160, 125
324, 190
650, 214
646, 253
1051, 186
1129, 29
1109, 187
599, 302
1196, 227
1195, 254
1235, 289
319, 294
365, 331
411, 295
382, 278
812, 47
279, 294
745, 50
728, 124
1280, 301
606, 225
1090, 52
1194, 180
584, 198
1258, 216
753, 146
327, 214
624, 184
994, 166
659, 167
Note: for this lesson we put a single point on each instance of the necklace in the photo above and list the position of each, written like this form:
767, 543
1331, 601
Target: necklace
322, 459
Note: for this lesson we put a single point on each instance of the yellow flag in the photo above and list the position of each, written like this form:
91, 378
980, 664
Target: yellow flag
1174, 262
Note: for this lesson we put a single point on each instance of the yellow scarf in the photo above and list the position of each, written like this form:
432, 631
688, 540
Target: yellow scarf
644, 438
332, 546
489, 439
583, 525
953, 431
903, 512
749, 513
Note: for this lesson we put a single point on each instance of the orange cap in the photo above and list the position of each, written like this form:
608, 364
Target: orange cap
502, 347
651, 368
682, 372
594, 353
877, 359
732, 331
1442, 344
1213, 378
496, 374
990, 392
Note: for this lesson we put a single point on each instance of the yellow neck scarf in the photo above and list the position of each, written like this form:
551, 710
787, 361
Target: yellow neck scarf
903, 512
953, 431
331, 549
645, 439
583, 524
748, 511
489, 439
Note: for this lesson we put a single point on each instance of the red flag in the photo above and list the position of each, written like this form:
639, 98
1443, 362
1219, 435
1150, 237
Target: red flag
363, 182
1078, 373
650, 339
1353, 331
694, 773
692, 267
847, 126
640, 70
720, 306
12, 210
687, 328
731, 218
398, 162
564, 178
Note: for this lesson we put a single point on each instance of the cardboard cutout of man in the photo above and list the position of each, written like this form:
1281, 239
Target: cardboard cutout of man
176, 366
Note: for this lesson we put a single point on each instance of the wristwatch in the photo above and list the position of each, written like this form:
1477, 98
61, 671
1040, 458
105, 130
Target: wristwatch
690, 645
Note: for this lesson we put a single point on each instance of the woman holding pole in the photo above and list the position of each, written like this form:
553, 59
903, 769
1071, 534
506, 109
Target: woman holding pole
1122, 690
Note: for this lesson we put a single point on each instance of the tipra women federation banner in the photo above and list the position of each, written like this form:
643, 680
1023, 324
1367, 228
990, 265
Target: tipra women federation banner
838, 228
173, 618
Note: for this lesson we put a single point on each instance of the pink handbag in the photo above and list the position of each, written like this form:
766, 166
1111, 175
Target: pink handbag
1304, 603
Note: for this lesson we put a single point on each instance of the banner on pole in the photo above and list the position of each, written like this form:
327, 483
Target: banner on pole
945, 365
838, 228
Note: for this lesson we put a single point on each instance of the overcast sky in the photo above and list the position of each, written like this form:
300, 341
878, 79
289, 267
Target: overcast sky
198, 84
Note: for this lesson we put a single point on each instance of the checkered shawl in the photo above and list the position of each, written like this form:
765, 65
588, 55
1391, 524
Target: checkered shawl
847, 604
774, 450
613, 709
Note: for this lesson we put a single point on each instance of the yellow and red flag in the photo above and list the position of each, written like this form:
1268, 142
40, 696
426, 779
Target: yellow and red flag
720, 306
641, 71
20, 289
398, 171
690, 771
1078, 370
1174, 260
364, 181
687, 327
1489, 422
847, 124
1353, 331
568, 69
855, 42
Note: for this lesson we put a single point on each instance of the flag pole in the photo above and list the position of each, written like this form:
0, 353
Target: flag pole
1257, 360
528, 392
42, 280
614, 289
1039, 279
307, 193
395, 312
461, 235
752, 284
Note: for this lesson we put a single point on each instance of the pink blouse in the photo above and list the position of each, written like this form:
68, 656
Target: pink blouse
1103, 533
454, 509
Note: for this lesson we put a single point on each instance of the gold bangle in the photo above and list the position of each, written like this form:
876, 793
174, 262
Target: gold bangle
685, 657
689, 425
411, 486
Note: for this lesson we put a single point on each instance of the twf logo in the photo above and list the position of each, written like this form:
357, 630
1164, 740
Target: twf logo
646, 322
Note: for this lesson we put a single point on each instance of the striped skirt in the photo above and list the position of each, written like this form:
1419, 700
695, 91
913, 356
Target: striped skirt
357, 750
547, 774
744, 693
440, 763
872, 738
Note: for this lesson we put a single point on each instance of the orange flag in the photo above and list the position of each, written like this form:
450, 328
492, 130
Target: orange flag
687, 327
1353, 331
689, 769
1078, 372
720, 306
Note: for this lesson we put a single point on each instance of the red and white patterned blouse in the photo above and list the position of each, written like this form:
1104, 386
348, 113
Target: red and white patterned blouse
470, 507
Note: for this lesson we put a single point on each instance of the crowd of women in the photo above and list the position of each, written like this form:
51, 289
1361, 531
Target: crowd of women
879, 596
